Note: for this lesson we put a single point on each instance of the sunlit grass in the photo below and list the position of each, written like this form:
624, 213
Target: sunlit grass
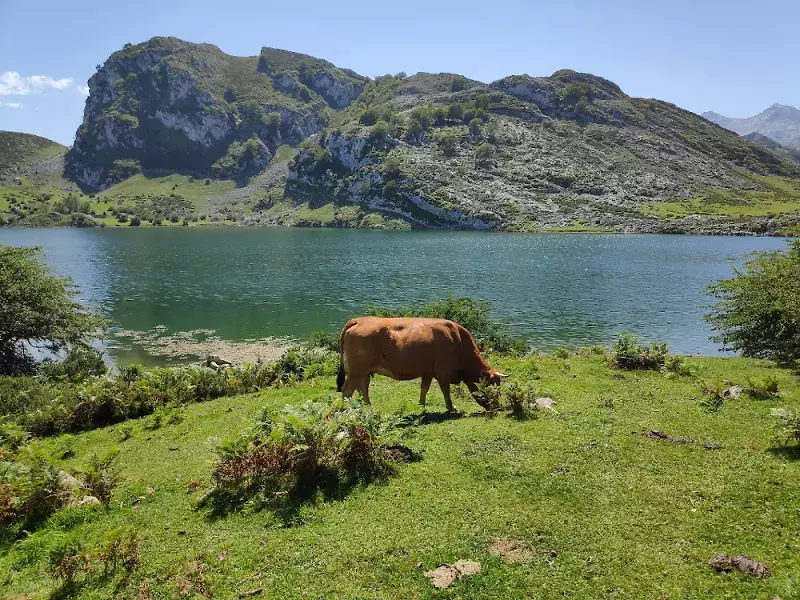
608, 513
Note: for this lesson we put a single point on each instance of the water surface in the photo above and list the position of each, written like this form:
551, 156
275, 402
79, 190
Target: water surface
555, 290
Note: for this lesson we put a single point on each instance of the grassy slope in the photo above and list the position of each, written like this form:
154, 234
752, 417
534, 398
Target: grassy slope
780, 196
609, 514
22, 149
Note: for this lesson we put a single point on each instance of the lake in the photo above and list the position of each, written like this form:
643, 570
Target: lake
553, 289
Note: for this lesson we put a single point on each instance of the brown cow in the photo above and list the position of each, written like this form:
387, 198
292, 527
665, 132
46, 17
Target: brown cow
406, 348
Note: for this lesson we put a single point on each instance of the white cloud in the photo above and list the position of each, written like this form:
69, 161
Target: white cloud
12, 83
83, 89
12, 104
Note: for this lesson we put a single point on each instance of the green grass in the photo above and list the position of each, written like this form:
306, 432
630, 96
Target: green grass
609, 514
191, 189
284, 154
779, 196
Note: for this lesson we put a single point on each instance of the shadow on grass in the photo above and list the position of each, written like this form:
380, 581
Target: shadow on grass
288, 507
428, 418
786, 452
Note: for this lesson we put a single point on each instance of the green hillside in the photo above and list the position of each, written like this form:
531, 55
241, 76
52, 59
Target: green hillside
583, 507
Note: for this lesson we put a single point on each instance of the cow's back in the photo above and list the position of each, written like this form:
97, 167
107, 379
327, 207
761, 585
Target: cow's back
403, 347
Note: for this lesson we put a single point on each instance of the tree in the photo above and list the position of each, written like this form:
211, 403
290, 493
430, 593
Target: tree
455, 112
369, 117
38, 310
475, 128
446, 140
758, 310
484, 153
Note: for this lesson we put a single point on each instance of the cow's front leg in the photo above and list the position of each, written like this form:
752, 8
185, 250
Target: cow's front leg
445, 385
423, 391
364, 387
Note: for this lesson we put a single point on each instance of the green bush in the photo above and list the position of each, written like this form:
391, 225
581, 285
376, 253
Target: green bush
470, 313
369, 117
758, 310
455, 112
790, 424
314, 447
520, 400
81, 362
446, 141
627, 353
101, 475
763, 389
44, 407
38, 309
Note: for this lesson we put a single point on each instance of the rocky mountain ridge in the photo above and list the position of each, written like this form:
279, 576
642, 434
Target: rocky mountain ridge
283, 138
779, 122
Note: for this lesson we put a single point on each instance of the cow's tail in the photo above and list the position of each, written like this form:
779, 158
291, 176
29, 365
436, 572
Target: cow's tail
340, 376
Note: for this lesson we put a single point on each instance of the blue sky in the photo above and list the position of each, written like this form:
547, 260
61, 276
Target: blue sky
732, 57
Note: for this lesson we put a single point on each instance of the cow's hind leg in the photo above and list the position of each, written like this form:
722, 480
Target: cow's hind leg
351, 384
445, 385
423, 392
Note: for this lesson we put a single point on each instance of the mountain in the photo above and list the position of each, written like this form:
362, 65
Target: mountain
779, 122
768, 142
173, 105
177, 132
21, 150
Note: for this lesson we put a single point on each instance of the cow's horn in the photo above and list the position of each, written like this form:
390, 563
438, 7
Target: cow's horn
499, 374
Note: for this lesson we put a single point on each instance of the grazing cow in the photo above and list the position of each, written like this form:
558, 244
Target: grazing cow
406, 348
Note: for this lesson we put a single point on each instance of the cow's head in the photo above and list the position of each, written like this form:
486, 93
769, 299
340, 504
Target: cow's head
494, 377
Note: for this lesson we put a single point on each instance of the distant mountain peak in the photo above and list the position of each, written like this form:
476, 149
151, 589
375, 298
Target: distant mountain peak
780, 122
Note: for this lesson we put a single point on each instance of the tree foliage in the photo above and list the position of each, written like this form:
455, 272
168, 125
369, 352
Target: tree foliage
758, 310
37, 309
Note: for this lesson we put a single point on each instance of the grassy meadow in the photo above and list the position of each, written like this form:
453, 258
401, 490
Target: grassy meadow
602, 512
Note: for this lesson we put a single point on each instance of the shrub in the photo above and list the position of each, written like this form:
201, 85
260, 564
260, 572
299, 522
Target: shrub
379, 133
125, 431
472, 314
136, 222
455, 112
713, 395
38, 309
520, 400
758, 310
676, 365
44, 407
789, 423
122, 218
763, 389
446, 141
101, 475
484, 153
316, 446
369, 117
325, 340
475, 128
72, 565
81, 362
627, 353
561, 353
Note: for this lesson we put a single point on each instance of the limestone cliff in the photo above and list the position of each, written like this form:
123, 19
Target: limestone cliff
172, 105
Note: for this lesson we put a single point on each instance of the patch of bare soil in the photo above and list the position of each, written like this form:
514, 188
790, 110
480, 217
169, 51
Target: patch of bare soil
510, 550
446, 575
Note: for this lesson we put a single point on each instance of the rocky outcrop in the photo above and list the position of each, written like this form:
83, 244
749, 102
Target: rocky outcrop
172, 105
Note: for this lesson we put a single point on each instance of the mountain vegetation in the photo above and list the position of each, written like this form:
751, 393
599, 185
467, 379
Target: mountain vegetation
177, 133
